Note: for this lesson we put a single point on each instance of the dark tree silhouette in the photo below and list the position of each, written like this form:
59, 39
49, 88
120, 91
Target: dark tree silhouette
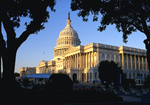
128, 16
10, 13
108, 71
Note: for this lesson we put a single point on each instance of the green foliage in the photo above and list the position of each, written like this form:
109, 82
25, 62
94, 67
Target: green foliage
126, 83
127, 15
25, 81
34, 9
147, 81
108, 71
16, 74
11, 13
61, 81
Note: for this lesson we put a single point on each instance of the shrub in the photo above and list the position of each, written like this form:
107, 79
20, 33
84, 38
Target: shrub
126, 82
61, 82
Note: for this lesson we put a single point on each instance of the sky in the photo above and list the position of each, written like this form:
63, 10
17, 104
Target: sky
30, 53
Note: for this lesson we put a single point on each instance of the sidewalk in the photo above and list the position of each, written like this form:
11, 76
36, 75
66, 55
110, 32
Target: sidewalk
130, 99
126, 100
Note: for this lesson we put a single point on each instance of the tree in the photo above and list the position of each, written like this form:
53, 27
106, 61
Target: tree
108, 71
147, 81
10, 13
16, 74
127, 15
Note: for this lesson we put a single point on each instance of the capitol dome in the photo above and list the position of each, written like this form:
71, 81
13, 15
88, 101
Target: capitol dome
68, 37
68, 31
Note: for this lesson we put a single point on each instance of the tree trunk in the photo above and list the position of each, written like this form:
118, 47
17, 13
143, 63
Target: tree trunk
147, 45
0, 53
8, 60
148, 56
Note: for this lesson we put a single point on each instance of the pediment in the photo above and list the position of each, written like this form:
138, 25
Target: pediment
43, 62
71, 49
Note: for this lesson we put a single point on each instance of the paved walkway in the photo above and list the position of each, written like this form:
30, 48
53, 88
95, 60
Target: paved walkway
130, 99
126, 99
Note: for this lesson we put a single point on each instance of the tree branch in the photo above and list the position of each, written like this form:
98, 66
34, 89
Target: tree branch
146, 31
2, 44
136, 27
22, 38
35, 25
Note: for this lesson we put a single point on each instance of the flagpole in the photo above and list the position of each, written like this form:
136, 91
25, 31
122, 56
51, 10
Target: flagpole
43, 55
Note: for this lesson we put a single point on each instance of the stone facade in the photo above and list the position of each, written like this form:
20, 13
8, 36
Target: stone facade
24, 71
81, 62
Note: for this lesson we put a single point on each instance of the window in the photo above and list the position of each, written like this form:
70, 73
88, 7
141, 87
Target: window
90, 76
87, 75
95, 75
108, 57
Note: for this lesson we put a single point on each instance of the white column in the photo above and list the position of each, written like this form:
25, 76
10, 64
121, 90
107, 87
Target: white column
80, 60
97, 57
131, 61
105, 56
135, 61
90, 59
139, 61
84, 60
127, 60
122, 60
142, 64
100, 57
77, 61
87, 60
93, 59
65, 62
115, 60
69, 61
146, 63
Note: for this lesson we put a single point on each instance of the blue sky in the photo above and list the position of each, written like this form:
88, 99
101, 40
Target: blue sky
31, 51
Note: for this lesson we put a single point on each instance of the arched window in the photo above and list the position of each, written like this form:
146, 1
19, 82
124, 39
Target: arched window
67, 42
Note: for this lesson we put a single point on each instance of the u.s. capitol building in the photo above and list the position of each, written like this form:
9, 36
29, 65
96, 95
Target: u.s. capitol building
81, 62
